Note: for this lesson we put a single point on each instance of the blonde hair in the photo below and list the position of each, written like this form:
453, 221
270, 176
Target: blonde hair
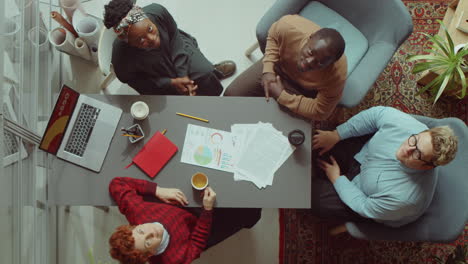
444, 145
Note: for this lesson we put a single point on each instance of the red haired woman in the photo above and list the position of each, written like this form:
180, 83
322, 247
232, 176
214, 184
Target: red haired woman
164, 233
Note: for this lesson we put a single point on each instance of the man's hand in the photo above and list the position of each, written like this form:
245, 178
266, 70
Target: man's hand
171, 196
332, 170
276, 88
209, 198
267, 79
325, 140
182, 85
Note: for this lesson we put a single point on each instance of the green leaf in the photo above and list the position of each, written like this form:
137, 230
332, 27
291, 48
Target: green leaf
427, 57
463, 93
442, 88
428, 51
463, 51
432, 66
439, 44
439, 54
434, 83
462, 77
447, 35
418, 57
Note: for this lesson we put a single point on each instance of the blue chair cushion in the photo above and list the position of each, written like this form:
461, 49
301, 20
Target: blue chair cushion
356, 43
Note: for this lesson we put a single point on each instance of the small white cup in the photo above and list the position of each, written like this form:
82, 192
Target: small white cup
199, 181
139, 110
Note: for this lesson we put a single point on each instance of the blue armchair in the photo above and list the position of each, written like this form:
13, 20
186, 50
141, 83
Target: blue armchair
372, 30
447, 215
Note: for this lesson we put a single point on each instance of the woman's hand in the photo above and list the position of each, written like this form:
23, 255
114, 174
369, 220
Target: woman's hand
209, 198
171, 196
184, 85
192, 89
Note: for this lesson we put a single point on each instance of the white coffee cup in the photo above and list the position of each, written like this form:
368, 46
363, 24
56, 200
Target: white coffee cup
199, 181
139, 110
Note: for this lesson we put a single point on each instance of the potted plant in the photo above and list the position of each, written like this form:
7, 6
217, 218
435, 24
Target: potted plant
444, 60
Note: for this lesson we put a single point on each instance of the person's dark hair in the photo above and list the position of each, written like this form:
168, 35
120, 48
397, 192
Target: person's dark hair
334, 39
115, 11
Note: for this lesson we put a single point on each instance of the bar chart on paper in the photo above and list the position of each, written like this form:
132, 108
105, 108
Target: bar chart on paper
207, 147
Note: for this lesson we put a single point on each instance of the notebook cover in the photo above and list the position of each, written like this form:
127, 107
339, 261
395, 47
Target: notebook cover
155, 154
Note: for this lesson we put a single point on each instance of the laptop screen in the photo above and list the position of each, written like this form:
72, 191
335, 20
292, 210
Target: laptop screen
59, 120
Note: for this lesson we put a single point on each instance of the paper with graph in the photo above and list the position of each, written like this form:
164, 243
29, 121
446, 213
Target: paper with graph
207, 147
253, 152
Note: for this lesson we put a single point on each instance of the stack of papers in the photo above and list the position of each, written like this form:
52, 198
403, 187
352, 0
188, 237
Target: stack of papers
260, 150
253, 152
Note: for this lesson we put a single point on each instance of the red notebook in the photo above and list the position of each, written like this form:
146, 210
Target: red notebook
154, 154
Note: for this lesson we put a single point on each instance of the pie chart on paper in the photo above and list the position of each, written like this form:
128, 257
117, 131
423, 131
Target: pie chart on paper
203, 155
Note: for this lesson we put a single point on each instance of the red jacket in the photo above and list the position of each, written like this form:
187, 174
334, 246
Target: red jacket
188, 233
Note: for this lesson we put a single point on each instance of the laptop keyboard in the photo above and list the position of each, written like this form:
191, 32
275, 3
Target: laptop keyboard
82, 129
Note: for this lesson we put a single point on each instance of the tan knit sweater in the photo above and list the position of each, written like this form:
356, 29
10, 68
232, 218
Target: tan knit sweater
286, 38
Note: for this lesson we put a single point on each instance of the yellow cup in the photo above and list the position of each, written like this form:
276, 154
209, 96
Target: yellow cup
199, 181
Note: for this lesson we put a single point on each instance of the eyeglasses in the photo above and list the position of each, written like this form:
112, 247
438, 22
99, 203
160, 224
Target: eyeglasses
413, 142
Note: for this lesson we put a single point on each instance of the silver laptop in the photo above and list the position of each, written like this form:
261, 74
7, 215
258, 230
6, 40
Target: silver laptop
80, 129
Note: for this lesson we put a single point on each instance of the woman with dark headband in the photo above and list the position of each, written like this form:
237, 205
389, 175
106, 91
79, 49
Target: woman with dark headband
153, 56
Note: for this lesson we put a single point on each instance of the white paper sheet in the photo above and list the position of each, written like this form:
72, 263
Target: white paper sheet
207, 147
253, 152
260, 150
261, 155
241, 133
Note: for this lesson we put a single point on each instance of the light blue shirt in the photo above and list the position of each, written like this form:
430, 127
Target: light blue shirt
385, 190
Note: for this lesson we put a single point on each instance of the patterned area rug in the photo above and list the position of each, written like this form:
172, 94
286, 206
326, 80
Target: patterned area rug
304, 238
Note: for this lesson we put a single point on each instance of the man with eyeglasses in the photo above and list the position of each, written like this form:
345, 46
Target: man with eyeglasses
382, 166
304, 68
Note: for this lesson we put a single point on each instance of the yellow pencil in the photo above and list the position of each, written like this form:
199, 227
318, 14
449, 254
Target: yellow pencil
193, 117
164, 131
128, 135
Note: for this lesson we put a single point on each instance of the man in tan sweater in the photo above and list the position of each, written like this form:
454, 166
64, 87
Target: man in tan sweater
304, 68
